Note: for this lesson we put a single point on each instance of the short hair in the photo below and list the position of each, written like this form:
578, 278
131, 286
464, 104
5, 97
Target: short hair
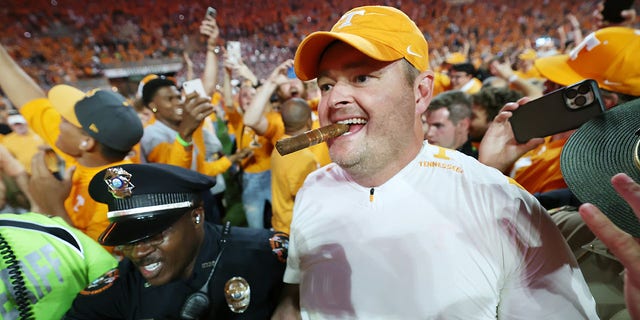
411, 72
492, 99
295, 113
151, 88
465, 67
457, 102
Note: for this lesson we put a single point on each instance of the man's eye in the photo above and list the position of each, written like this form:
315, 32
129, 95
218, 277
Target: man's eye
362, 78
325, 87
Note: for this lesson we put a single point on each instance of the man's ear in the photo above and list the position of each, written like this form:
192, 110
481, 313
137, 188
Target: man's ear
465, 123
197, 216
423, 89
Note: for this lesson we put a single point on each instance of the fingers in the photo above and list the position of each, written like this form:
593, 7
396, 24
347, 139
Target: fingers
620, 243
39, 165
629, 190
198, 107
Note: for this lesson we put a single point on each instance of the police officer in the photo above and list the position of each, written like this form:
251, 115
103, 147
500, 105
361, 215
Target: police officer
176, 266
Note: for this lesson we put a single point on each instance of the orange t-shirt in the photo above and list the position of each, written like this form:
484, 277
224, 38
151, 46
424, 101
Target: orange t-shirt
85, 213
539, 169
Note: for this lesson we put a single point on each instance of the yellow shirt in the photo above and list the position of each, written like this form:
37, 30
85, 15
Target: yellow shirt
262, 145
24, 147
287, 176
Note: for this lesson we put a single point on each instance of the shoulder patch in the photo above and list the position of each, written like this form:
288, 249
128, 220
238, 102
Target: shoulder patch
280, 245
101, 284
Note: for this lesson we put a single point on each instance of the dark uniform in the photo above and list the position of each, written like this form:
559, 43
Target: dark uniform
124, 294
256, 255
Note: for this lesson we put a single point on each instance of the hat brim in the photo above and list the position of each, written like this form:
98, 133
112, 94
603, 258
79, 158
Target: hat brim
129, 229
601, 148
63, 98
557, 69
312, 48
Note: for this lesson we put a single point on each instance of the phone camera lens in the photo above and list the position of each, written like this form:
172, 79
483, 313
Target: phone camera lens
571, 93
580, 101
584, 88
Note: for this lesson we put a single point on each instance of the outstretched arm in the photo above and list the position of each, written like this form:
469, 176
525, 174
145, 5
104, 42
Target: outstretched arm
19, 87
209, 28
254, 115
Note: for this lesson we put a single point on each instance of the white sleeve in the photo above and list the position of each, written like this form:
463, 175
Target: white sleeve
548, 283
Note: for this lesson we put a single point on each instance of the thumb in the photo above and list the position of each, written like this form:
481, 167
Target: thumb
68, 174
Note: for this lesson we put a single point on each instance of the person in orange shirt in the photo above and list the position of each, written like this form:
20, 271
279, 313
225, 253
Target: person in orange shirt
288, 172
89, 131
22, 142
463, 78
536, 164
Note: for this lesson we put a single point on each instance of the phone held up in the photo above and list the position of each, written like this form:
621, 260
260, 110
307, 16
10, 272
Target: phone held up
212, 12
194, 85
233, 50
558, 111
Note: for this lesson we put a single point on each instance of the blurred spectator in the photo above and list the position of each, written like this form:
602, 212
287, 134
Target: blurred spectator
448, 118
23, 143
486, 104
463, 78
289, 171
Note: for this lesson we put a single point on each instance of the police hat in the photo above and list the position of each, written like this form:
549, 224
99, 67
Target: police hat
145, 199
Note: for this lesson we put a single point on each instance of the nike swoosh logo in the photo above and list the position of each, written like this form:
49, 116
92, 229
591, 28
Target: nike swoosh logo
409, 51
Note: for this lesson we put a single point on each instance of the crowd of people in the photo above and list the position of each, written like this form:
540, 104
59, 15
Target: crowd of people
184, 198
62, 42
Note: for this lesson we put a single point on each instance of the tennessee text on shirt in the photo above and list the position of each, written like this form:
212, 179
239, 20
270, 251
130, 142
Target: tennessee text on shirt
441, 154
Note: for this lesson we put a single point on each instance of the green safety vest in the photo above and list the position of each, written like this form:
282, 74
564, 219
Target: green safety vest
55, 260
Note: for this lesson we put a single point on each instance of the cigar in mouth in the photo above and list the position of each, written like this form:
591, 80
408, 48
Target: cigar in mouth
310, 138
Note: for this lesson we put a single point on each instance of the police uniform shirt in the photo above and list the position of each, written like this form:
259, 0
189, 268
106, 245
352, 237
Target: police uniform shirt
123, 293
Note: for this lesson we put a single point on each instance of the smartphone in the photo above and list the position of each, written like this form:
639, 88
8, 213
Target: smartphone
194, 85
233, 49
212, 12
558, 111
612, 9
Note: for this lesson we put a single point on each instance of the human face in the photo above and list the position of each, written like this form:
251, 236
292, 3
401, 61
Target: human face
169, 255
169, 105
459, 79
19, 128
381, 106
442, 131
70, 138
291, 89
479, 123
246, 96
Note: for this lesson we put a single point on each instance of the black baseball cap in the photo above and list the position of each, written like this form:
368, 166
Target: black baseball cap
105, 115
145, 199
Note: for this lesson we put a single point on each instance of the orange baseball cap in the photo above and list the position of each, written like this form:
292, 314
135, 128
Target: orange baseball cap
382, 33
608, 55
